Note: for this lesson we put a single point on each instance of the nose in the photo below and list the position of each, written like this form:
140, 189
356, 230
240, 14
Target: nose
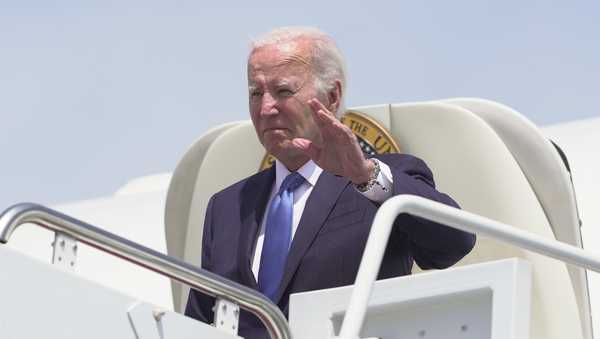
268, 105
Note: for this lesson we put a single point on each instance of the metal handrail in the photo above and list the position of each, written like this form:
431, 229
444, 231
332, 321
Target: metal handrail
455, 218
176, 269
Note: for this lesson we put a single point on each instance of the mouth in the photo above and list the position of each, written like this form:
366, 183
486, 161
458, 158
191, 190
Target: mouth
275, 129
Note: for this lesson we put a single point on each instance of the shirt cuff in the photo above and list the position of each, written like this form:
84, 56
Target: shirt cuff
382, 190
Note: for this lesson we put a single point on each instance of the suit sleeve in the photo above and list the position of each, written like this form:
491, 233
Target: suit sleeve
432, 245
199, 306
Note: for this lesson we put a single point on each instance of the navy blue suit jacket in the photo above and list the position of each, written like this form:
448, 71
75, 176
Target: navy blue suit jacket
331, 236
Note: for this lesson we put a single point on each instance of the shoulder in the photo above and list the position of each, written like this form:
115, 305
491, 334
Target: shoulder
408, 164
403, 161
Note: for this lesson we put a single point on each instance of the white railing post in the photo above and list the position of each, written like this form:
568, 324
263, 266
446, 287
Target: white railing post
453, 217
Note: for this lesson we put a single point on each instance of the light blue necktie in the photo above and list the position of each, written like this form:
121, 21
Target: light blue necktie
278, 233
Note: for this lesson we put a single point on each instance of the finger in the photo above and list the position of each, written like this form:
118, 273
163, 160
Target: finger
341, 132
332, 130
324, 124
320, 111
317, 105
329, 126
308, 147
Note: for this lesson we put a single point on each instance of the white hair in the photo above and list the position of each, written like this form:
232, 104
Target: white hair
327, 60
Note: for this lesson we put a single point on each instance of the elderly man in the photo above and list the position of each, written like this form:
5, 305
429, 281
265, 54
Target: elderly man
303, 224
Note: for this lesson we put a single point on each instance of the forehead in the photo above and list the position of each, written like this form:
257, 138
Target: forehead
284, 59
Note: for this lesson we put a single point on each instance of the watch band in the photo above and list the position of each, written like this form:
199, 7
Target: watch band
366, 186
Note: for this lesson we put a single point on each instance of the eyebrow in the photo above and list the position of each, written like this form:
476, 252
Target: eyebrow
277, 82
283, 82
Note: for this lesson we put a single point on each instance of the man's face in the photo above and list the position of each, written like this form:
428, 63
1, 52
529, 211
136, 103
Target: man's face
280, 82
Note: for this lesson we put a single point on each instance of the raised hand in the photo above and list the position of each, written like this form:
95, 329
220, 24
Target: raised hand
339, 152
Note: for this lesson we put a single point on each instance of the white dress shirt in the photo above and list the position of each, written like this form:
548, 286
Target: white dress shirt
311, 172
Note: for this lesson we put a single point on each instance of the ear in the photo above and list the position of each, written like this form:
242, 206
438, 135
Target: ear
335, 97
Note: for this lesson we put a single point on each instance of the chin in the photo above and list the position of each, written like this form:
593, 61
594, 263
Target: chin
278, 149
273, 143
284, 150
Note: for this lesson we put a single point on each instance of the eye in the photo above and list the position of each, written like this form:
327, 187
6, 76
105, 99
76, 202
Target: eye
255, 94
285, 92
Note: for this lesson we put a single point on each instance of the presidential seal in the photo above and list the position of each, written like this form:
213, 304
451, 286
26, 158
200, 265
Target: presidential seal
372, 137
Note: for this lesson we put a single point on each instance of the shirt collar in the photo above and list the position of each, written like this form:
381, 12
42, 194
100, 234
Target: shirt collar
309, 171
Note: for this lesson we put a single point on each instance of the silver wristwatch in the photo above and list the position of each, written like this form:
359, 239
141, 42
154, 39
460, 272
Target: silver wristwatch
366, 186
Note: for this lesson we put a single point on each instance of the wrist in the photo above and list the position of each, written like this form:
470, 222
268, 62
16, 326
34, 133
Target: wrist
367, 173
367, 185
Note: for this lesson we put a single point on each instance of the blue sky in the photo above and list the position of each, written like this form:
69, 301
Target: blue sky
94, 93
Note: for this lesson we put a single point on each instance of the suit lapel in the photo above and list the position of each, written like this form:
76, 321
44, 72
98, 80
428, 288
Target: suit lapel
318, 206
254, 198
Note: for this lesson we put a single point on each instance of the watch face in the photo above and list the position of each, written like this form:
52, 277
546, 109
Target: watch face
372, 137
